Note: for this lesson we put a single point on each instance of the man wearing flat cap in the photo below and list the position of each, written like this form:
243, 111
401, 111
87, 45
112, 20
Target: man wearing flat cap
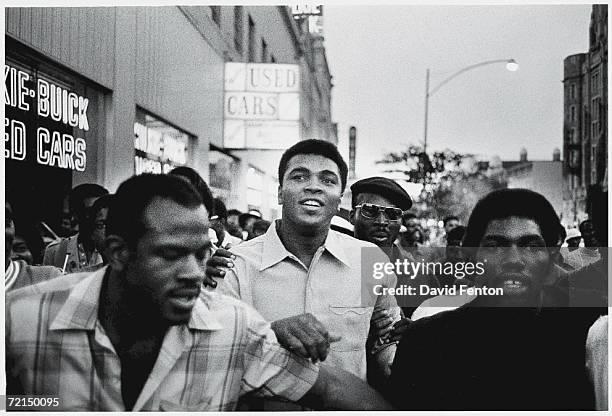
377, 207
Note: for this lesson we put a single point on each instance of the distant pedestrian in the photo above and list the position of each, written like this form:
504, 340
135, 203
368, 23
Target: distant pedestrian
17, 271
260, 227
218, 222
77, 252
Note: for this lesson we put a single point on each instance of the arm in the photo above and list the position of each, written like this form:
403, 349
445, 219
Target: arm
340, 390
380, 344
304, 335
215, 265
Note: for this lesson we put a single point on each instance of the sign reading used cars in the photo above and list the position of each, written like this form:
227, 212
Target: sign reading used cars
268, 94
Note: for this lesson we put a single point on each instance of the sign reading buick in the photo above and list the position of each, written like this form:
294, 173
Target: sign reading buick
261, 106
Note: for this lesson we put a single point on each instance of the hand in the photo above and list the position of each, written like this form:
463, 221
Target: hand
304, 335
221, 258
380, 323
398, 329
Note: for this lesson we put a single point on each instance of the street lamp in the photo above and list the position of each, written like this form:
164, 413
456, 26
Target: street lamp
511, 65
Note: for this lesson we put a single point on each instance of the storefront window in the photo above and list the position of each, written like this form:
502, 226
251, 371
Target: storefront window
224, 171
159, 147
54, 123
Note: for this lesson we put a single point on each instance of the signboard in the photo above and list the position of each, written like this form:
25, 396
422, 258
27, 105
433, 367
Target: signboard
261, 106
306, 10
312, 15
59, 111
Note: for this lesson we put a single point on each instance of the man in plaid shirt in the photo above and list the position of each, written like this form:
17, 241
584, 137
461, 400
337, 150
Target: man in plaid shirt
139, 334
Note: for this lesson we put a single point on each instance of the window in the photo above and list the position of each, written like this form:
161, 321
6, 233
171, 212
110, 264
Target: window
238, 28
264, 51
251, 40
216, 14
573, 136
572, 92
158, 146
574, 159
572, 113
593, 165
595, 110
595, 82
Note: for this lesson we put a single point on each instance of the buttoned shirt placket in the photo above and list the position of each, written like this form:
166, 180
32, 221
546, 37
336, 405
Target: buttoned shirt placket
308, 288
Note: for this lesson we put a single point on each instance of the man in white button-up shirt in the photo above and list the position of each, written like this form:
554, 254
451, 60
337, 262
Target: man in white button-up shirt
306, 278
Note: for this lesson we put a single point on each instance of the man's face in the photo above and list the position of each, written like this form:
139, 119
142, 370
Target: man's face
9, 233
167, 269
98, 234
248, 223
21, 251
450, 224
515, 258
86, 225
379, 230
311, 190
233, 220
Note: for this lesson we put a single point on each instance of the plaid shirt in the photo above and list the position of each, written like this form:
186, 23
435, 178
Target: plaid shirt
56, 346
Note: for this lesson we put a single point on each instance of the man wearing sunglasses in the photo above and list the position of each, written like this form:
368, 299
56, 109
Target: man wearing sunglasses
378, 205
377, 208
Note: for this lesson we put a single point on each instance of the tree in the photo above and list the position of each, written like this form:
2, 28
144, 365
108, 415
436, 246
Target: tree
452, 182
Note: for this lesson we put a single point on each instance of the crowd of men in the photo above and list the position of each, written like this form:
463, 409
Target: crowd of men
167, 300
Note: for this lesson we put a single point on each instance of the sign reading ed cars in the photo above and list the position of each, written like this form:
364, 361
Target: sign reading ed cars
268, 94
48, 101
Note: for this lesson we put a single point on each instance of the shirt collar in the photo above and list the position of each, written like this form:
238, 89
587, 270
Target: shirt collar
80, 311
274, 251
11, 273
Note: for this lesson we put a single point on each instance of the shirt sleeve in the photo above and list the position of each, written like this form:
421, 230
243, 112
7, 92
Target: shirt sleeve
386, 303
597, 361
270, 370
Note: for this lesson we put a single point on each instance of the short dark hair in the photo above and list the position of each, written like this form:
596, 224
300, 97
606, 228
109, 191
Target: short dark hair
125, 214
506, 203
262, 225
199, 184
408, 216
449, 218
314, 147
103, 202
80, 192
219, 209
232, 211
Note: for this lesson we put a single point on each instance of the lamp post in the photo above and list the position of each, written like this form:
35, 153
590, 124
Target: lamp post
511, 65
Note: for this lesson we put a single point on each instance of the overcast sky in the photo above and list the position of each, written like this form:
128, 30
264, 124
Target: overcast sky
378, 56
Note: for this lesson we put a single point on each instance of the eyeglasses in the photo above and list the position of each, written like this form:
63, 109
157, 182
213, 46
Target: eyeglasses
371, 212
100, 225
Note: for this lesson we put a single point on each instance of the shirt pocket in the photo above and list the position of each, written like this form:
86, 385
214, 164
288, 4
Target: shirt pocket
352, 323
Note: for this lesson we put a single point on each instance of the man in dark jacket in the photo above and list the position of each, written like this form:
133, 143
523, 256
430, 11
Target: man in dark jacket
522, 349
